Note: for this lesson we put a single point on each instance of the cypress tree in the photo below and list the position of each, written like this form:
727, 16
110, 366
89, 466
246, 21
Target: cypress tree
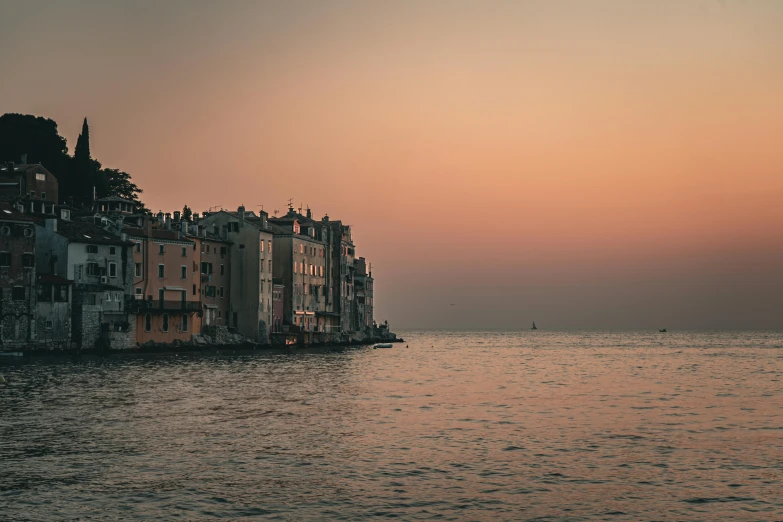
82, 151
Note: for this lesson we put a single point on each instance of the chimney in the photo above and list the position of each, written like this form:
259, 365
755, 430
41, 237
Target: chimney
309, 213
148, 227
167, 225
185, 227
120, 223
241, 212
176, 216
24, 159
51, 224
195, 217
160, 217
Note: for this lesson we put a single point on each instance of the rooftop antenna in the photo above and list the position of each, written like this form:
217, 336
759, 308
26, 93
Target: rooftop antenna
291, 203
262, 207
276, 211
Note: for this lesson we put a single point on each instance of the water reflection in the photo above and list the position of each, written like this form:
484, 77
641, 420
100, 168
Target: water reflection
460, 426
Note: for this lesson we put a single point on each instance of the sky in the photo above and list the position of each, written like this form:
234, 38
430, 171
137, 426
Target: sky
584, 165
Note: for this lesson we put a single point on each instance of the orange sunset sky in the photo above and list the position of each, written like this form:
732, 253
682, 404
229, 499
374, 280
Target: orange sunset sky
583, 164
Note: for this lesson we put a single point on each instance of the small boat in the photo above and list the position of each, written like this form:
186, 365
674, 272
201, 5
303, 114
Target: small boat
534, 326
12, 354
662, 330
383, 345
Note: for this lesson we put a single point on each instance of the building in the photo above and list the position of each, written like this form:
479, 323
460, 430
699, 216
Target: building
100, 265
213, 257
166, 282
17, 278
53, 312
341, 268
250, 253
300, 256
363, 295
278, 289
31, 186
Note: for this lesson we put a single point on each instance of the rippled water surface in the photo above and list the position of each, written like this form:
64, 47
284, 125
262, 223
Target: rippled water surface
455, 426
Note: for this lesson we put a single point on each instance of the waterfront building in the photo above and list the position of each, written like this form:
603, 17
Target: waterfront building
53, 312
362, 314
17, 278
100, 265
213, 258
300, 264
278, 308
249, 242
341, 270
167, 283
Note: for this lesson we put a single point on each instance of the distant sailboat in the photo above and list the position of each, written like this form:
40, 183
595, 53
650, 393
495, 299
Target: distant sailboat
534, 326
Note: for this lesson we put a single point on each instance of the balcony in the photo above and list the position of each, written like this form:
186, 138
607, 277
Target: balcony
142, 306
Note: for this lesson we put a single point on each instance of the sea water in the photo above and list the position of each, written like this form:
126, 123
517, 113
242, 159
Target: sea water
447, 426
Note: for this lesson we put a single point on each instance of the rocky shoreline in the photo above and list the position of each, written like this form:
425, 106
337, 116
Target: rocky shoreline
227, 341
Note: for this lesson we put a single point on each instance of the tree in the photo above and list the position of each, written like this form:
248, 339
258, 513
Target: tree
38, 139
85, 171
187, 214
115, 182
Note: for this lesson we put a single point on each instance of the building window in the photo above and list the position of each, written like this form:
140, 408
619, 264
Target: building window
43, 195
28, 260
262, 245
194, 289
161, 249
147, 323
93, 269
184, 322
17, 294
295, 268
269, 244
222, 269
138, 247
4, 231
107, 297
161, 271
221, 292
40, 176
138, 269
65, 214
270, 265
208, 249
165, 322
112, 269
138, 291
184, 251
112, 251
92, 249
48, 325
183, 272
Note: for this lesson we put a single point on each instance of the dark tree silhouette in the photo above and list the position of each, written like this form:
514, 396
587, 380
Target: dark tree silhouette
39, 139
114, 182
85, 171
187, 214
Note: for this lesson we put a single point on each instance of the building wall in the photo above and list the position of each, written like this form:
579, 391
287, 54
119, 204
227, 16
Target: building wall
250, 307
161, 331
17, 326
215, 286
46, 189
53, 318
148, 286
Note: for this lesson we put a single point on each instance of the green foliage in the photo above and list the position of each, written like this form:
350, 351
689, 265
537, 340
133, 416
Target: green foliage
187, 214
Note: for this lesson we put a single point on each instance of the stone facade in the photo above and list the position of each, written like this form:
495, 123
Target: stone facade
17, 279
